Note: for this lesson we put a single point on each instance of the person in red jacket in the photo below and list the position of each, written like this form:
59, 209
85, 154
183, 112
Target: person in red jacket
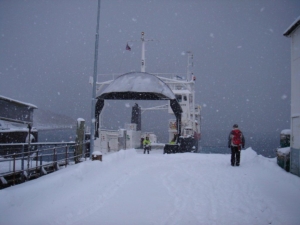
236, 142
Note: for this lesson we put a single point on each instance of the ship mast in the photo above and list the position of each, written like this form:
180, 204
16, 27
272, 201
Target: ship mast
190, 76
143, 58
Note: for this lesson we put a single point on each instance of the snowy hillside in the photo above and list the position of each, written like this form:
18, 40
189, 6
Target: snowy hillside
47, 119
132, 188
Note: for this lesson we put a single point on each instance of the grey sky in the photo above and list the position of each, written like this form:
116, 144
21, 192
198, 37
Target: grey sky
241, 59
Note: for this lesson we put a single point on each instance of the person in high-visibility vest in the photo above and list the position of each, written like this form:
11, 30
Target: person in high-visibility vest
147, 145
173, 141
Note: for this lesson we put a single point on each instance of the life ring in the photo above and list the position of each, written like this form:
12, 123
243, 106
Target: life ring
197, 135
32, 138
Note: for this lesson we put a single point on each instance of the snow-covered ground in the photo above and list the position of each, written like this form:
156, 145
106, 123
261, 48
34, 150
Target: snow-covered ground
132, 188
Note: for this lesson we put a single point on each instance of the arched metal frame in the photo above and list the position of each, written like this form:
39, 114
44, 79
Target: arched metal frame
132, 90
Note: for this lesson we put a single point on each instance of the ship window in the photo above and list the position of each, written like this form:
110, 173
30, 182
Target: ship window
179, 98
184, 98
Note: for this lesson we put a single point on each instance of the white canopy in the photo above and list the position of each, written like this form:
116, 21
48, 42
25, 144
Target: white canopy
137, 82
137, 86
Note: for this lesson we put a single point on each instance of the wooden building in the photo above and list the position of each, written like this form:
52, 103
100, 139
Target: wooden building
15, 116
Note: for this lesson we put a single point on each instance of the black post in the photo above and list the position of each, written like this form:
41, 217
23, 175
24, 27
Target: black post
136, 116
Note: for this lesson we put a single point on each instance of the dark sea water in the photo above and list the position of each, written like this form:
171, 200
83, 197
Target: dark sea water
264, 144
212, 141
57, 135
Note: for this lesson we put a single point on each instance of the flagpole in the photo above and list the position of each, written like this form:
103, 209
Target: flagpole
93, 119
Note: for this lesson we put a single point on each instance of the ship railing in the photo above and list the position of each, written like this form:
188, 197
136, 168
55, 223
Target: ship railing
41, 159
197, 109
173, 76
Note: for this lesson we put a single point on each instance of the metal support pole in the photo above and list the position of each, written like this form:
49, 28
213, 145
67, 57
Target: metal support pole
28, 150
125, 134
14, 168
37, 160
93, 119
22, 161
41, 162
54, 159
41, 157
66, 156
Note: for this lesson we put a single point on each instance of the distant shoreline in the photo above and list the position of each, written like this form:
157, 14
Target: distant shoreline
49, 128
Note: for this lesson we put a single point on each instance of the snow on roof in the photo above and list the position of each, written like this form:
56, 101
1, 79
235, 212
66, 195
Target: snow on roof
95, 153
286, 131
79, 120
139, 82
7, 127
295, 115
283, 151
18, 102
292, 27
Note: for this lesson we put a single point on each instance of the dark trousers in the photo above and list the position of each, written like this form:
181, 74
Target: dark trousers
235, 155
146, 149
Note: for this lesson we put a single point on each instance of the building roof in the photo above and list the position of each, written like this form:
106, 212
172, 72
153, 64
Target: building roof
17, 102
292, 27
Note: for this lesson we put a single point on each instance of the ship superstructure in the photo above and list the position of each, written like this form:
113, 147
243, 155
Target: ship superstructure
185, 130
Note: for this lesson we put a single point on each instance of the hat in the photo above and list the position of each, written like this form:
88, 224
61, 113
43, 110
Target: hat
235, 126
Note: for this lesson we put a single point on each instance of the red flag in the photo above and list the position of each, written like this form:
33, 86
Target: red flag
128, 48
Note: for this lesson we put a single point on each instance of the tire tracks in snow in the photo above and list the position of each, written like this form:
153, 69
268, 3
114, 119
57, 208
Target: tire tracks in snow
107, 188
180, 183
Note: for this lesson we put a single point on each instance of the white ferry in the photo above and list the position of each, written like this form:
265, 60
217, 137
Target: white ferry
178, 89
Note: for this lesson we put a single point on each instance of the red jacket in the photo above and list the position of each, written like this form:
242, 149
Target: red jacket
232, 134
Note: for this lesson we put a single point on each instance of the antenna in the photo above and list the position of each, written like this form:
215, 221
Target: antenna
143, 61
143, 58
189, 64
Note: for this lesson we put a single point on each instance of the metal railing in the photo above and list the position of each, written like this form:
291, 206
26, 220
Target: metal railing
21, 164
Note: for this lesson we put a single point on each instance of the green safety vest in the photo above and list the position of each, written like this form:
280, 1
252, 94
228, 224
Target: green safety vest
146, 142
